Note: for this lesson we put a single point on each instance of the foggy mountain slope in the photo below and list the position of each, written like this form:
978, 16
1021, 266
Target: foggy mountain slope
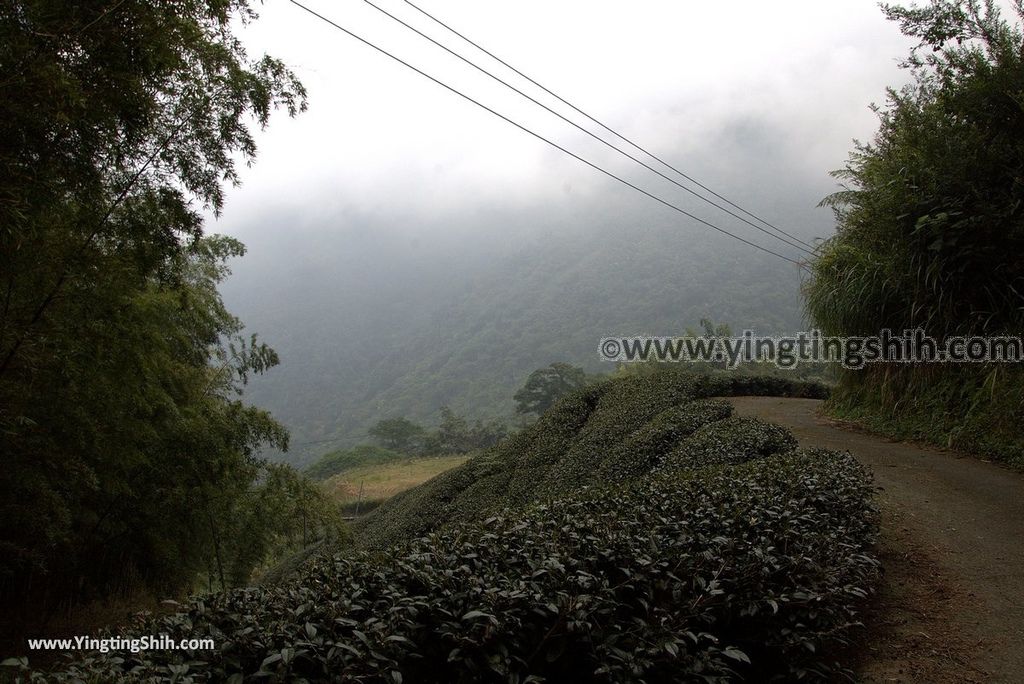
449, 254
385, 322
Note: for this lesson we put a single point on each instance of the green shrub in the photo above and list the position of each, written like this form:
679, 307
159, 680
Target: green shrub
636, 532
730, 571
628, 404
728, 442
639, 452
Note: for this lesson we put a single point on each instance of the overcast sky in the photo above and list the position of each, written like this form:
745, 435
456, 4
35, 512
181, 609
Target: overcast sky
754, 98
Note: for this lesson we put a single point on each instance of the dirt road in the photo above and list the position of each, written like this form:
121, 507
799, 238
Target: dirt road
951, 608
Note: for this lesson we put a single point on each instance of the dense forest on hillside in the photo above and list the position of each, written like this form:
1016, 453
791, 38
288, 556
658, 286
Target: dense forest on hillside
462, 322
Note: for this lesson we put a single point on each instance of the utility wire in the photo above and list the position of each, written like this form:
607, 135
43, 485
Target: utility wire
584, 130
607, 128
317, 441
542, 138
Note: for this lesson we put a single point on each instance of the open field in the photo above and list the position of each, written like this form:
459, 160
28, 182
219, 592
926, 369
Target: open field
384, 480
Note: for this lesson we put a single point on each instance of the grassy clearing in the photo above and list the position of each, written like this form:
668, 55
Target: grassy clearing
383, 480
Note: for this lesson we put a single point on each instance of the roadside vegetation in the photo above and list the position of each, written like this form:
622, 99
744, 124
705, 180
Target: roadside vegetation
130, 465
931, 234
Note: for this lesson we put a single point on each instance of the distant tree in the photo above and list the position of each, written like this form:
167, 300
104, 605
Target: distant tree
453, 434
709, 330
546, 385
400, 434
717, 331
432, 444
485, 435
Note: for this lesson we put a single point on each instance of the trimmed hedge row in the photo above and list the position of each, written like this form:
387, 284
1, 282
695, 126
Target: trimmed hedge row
728, 442
636, 532
730, 571
642, 450
604, 433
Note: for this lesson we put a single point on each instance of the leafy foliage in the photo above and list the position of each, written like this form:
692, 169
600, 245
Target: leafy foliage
399, 434
126, 450
547, 385
931, 229
643, 449
455, 435
728, 442
742, 570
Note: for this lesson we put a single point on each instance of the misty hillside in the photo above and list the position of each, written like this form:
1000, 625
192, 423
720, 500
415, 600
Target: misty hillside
461, 316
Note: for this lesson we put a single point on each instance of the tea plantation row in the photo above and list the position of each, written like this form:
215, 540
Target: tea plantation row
636, 532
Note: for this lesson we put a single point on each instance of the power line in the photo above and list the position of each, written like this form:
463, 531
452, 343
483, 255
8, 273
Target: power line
318, 441
542, 138
607, 128
584, 130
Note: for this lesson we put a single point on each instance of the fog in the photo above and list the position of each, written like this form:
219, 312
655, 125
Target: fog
734, 82
376, 219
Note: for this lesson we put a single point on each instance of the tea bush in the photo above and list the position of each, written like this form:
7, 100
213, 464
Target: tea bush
730, 571
607, 432
728, 442
636, 533
641, 450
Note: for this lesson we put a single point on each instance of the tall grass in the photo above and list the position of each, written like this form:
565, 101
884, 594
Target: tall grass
976, 409
931, 233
